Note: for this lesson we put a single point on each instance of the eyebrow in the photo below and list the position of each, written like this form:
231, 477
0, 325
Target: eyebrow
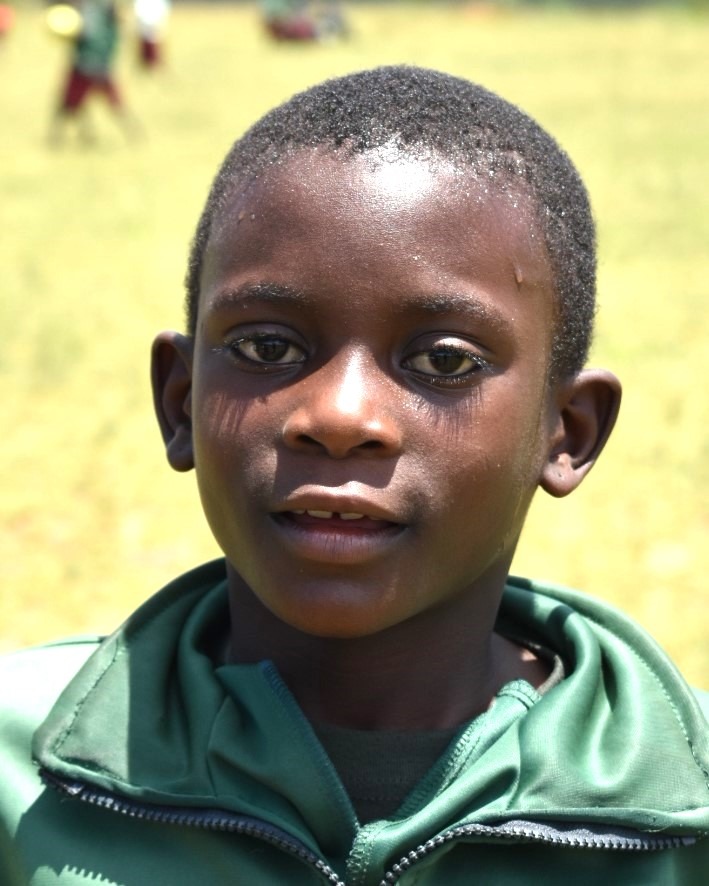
259, 293
452, 303
427, 305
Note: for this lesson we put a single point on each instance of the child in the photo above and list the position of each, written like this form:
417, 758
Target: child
303, 21
151, 17
7, 20
390, 299
91, 70
290, 20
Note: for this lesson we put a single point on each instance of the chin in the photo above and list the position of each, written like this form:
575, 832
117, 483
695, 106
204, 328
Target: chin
333, 620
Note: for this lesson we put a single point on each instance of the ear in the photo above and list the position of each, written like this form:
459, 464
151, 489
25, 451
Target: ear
171, 374
585, 412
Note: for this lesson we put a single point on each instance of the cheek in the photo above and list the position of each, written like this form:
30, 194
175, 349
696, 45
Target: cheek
497, 458
234, 434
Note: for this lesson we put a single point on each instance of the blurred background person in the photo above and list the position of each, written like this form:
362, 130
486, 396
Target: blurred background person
151, 17
7, 19
302, 20
288, 20
91, 69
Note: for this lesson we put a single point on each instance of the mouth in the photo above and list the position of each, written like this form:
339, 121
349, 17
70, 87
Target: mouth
339, 521
345, 536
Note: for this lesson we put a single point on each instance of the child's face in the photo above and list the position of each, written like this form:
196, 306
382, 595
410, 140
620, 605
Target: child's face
373, 339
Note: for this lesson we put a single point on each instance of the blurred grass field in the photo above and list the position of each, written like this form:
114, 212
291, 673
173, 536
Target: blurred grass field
92, 253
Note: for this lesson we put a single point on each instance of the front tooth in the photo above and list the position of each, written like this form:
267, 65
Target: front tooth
298, 511
324, 515
351, 516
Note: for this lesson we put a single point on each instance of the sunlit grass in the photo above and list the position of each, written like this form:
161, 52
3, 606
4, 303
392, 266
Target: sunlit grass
92, 252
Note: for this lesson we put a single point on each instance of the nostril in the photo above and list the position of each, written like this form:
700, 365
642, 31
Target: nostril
308, 440
335, 445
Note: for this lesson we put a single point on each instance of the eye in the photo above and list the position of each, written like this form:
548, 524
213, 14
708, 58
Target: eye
446, 361
267, 349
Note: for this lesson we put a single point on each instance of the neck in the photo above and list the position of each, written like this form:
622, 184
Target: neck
434, 671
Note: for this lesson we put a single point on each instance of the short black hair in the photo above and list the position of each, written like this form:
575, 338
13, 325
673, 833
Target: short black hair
423, 111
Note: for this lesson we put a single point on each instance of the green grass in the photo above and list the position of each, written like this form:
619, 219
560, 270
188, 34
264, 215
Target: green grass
93, 248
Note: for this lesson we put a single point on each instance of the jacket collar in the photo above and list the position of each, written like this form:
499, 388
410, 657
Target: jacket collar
152, 717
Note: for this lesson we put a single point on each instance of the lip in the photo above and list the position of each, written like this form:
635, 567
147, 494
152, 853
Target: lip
338, 504
335, 540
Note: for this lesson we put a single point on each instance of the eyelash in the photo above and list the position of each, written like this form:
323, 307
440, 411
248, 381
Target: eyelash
232, 346
480, 365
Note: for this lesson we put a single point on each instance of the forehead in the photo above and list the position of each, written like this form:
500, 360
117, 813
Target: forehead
392, 178
378, 218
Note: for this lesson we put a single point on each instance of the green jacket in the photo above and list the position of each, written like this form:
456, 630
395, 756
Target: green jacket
164, 768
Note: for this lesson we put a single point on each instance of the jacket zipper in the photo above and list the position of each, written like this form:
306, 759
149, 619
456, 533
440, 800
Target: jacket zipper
208, 819
220, 820
580, 838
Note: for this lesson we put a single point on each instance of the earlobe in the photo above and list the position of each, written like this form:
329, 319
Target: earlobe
171, 374
586, 410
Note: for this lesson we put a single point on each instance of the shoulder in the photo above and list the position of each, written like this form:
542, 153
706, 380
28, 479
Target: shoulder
32, 679
65, 655
30, 682
703, 699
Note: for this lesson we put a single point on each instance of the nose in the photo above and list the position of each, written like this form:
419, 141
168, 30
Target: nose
346, 407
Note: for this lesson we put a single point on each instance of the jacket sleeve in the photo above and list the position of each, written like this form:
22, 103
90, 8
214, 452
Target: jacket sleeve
9, 864
703, 699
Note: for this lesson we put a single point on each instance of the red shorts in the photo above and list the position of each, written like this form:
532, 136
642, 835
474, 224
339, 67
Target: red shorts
295, 27
79, 85
150, 55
